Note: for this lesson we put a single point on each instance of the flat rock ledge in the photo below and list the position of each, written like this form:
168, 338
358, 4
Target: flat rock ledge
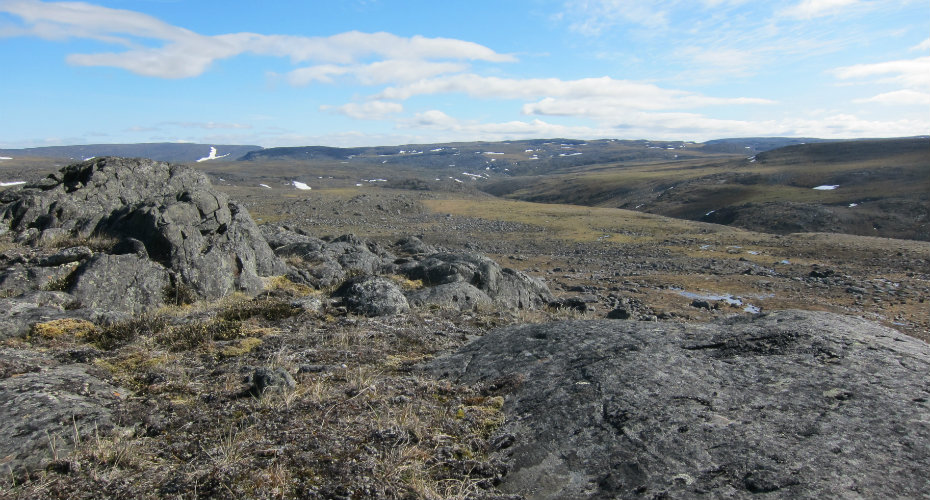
789, 405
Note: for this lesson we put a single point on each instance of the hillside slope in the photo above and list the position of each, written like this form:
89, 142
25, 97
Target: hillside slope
869, 187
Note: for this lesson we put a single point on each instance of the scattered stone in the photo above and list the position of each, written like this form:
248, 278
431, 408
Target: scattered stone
265, 379
619, 313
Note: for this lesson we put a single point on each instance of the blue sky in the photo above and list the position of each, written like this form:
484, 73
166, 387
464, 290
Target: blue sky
383, 72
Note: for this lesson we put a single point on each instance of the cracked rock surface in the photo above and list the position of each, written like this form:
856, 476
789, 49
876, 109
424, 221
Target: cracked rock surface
793, 404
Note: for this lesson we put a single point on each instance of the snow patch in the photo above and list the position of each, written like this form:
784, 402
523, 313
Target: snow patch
827, 187
5, 158
14, 183
266, 186
853, 205
301, 186
212, 155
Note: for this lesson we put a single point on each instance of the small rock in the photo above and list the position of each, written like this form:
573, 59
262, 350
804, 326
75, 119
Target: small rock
270, 379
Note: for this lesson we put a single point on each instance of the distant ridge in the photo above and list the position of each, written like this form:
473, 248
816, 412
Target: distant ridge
159, 151
754, 145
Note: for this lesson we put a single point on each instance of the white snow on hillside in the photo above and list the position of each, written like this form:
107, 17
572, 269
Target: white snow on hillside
5, 158
14, 183
827, 187
265, 186
301, 185
212, 155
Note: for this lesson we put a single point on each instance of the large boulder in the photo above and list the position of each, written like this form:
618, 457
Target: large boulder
789, 405
372, 296
209, 242
506, 287
459, 295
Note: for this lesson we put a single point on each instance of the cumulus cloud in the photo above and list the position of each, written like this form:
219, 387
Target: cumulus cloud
157, 49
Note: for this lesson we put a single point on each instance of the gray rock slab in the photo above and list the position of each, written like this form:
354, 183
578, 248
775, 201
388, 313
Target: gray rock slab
46, 409
789, 405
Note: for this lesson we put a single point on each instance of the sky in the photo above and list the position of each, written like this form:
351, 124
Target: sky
389, 72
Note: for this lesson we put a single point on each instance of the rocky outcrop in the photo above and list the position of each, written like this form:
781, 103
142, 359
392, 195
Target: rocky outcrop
193, 232
458, 280
505, 286
791, 405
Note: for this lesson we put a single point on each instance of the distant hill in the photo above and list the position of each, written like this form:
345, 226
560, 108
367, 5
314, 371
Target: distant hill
753, 145
160, 151
875, 187
519, 157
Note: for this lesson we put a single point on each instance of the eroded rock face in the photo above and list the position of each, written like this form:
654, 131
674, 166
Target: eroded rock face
185, 226
793, 404
121, 282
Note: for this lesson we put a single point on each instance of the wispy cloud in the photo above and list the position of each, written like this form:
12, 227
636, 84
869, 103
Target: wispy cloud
900, 98
912, 73
371, 110
632, 94
810, 9
174, 52
924, 45
376, 73
593, 17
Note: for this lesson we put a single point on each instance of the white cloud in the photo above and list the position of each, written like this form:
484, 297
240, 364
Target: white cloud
636, 95
924, 45
371, 110
376, 73
182, 53
809, 9
900, 97
907, 72
668, 126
